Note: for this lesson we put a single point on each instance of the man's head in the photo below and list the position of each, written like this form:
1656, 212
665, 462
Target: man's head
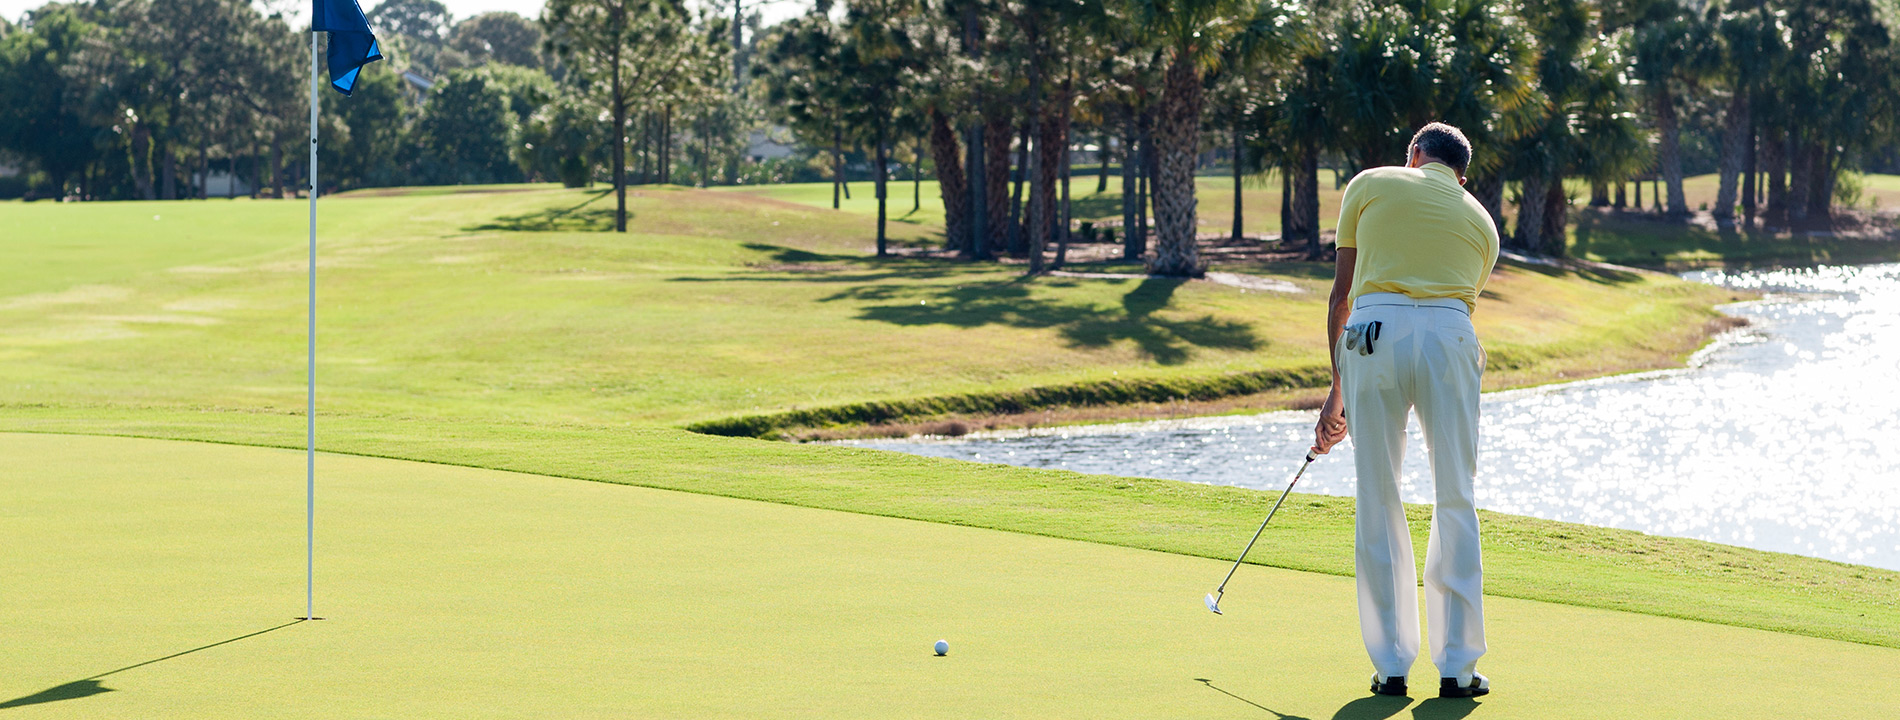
1440, 143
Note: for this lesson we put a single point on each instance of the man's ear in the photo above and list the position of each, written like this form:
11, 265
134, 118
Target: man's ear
1461, 179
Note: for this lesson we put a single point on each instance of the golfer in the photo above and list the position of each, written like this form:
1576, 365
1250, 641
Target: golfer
1414, 252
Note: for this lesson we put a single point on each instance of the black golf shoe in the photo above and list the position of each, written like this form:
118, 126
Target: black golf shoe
1449, 687
1388, 686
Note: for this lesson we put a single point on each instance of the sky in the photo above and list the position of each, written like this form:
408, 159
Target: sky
773, 12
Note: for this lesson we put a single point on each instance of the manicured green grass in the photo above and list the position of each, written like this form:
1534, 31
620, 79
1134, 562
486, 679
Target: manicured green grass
1525, 557
500, 330
159, 579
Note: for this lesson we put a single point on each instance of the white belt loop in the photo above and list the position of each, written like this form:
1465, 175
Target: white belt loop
1371, 299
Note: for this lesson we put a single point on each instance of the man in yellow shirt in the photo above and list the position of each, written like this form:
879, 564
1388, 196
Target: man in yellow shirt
1414, 252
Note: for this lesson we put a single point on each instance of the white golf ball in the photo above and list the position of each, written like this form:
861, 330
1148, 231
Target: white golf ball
943, 647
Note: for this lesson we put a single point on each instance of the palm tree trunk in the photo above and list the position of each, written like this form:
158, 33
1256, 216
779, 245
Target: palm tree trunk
1016, 245
996, 138
1599, 194
1750, 191
1145, 188
1132, 247
204, 170
1669, 149
1734, 156
1800, 175
1178, 138
276, 170
1036, 218
1556, 218
1622, 197
977, 242
666, 145
1286, 202
1774, 150
1240, 139
1101, 181
1303, 220
881, 190
1530, 213
168, 174
1051, 146
1063, 222
620, 102
1821, 185
230, 168
916, 178
837, 164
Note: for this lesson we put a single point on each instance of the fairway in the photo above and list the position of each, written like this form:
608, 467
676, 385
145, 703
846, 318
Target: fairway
457, 593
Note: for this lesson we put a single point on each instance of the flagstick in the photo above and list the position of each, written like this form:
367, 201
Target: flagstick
310, 408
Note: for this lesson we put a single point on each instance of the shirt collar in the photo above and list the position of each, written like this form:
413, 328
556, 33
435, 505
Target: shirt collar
1441, 168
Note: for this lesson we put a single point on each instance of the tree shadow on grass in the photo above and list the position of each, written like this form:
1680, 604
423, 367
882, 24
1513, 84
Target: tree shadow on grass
1167, 341
88, 687
578, 218
785, 264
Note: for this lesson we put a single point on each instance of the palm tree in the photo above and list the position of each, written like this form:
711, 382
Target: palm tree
1583, 113
1673, 47
1192, 35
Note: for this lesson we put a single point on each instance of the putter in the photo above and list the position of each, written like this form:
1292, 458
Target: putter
1213, 598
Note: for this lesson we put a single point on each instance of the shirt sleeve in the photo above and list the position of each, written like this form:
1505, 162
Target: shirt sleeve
1349, 209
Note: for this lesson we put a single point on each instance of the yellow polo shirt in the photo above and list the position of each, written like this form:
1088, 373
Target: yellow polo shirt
1419, 234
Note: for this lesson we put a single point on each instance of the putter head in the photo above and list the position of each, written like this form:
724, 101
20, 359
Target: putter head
1213, 605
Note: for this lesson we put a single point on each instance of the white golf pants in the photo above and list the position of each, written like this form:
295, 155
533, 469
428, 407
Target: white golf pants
1426, 357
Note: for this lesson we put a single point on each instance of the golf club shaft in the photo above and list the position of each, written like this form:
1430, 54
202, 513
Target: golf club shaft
1263, 523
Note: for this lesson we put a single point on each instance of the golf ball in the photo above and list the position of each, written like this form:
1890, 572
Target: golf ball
943, 647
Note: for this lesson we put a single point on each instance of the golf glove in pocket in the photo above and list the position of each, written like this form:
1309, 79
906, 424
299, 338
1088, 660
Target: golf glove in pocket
1359, 337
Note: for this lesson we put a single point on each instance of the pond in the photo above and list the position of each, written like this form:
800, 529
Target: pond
1784, 435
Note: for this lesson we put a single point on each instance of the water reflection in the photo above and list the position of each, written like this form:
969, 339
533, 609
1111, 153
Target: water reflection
1785, 436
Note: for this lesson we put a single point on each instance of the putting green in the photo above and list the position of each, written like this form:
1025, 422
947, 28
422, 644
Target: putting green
460, 593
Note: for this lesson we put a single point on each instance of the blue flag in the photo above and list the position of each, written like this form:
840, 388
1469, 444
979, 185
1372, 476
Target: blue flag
351, 44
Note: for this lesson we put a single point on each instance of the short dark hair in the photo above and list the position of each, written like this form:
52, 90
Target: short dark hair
1445, 144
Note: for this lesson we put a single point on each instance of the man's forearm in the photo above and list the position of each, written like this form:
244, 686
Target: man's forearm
1337, 310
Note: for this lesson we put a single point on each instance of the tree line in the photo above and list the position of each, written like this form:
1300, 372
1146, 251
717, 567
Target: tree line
1785, 98
1799, 92
149, 99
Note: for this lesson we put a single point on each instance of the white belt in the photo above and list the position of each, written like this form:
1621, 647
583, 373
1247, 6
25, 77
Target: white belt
1382, 298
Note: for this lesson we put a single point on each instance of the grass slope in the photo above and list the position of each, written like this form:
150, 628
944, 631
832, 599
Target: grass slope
453, 593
